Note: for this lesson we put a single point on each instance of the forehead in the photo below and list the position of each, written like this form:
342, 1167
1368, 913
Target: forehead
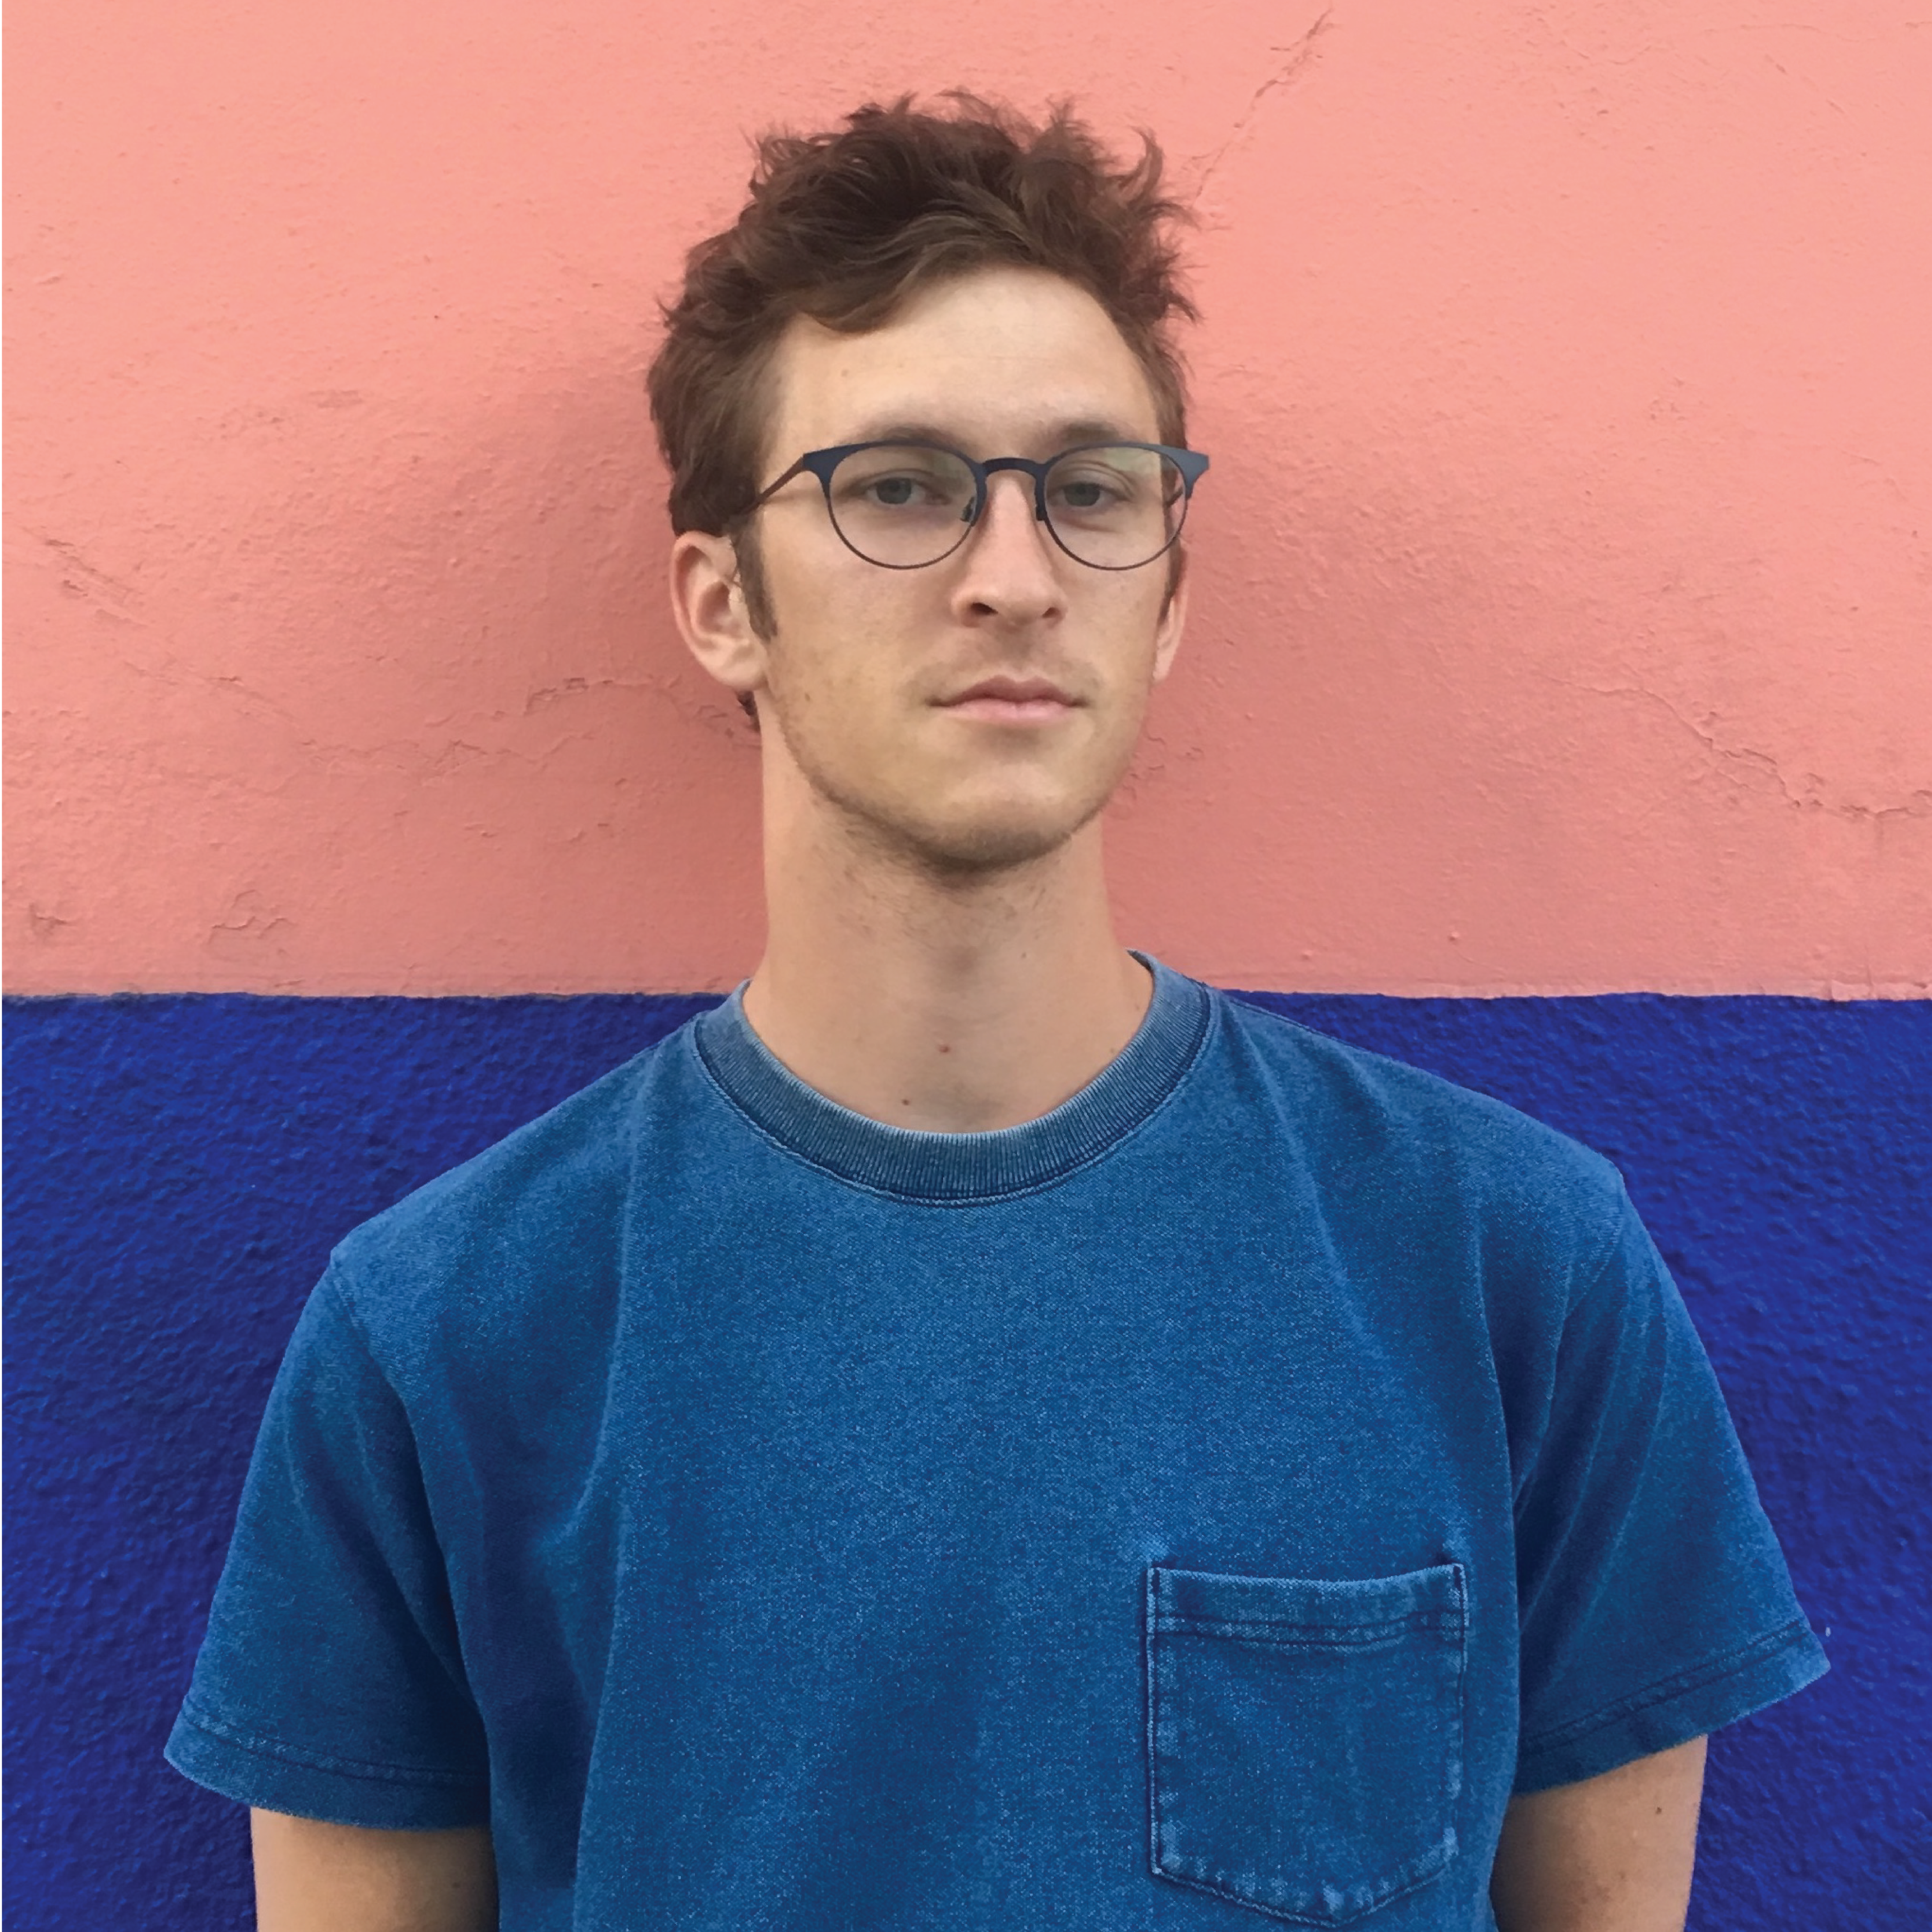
998, 360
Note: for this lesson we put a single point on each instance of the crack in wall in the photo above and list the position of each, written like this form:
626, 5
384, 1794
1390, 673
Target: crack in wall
545, 695
250, 922
81, 576
1302, 54
1917, 803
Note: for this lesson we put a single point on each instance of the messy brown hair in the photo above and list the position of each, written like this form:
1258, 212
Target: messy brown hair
844, 226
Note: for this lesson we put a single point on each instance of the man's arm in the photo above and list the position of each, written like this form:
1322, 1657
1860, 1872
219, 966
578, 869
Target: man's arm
313, 1877
1611, 1854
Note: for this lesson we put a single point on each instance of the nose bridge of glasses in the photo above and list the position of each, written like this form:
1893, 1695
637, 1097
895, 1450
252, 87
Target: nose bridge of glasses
1035, 484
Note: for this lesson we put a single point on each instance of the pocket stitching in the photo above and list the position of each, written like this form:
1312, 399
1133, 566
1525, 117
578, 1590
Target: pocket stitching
1160, 1664
1329, 1636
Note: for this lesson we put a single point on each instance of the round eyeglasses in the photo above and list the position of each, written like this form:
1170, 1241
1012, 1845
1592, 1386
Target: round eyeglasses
902, 505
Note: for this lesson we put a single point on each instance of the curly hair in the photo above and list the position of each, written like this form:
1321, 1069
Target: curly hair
844, 226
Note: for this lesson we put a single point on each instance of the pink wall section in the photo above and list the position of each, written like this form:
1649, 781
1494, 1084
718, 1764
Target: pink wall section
1565, 611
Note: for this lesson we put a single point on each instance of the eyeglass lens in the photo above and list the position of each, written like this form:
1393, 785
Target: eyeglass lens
904, 505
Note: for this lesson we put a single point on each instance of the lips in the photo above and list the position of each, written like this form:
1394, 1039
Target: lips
1011, 700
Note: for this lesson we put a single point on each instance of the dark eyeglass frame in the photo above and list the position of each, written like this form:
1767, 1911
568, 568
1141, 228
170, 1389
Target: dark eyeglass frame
821, 463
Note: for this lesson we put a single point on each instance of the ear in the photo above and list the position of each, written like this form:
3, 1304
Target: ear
708, 601
1173, 618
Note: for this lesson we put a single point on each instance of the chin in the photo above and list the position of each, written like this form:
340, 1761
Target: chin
992, 848
972, 844
967, 824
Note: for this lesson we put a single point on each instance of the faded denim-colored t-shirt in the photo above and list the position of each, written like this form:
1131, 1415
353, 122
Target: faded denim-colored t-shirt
1208, 1502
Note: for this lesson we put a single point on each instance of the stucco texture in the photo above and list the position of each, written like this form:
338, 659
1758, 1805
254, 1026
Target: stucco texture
1564, 608
1563, 627
178, 1168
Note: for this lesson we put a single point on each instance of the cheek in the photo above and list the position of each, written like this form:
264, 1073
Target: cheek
1132, 622
853, 632
836, 657
815, 582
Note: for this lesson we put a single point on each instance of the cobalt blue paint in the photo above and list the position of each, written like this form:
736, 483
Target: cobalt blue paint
179, 1167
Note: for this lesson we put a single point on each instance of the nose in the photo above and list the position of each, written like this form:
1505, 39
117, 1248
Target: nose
1009, 567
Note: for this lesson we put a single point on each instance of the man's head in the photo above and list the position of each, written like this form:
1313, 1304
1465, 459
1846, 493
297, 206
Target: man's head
968, 280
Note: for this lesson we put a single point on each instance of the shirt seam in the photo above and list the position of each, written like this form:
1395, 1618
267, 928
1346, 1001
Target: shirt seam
336, 1284
423, 1775
1594, 1274
1727, 1663
1039, 1184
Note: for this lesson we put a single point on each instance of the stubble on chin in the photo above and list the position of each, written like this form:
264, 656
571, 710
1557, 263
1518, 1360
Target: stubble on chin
964, 851
961, 852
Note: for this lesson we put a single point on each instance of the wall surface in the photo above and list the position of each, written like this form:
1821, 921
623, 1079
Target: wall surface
179, 1167
1567, 562
1564, 628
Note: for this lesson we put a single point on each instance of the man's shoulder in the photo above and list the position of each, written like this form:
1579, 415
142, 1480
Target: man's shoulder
485, 1240
1365, 1120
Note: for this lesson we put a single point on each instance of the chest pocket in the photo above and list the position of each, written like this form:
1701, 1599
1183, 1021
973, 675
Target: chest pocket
1305, 1738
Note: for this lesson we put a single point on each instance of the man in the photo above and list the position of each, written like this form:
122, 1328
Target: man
979, 1430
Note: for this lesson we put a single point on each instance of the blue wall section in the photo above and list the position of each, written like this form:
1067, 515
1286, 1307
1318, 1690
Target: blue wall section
178, 1168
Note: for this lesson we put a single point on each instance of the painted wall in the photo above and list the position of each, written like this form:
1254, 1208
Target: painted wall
1565, 627
1567, 610
178, 1168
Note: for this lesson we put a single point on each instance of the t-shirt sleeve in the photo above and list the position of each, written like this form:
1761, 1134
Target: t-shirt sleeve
331, 1685
1654, 1601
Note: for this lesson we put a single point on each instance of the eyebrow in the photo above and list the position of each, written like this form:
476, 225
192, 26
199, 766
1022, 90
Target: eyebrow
1060, 435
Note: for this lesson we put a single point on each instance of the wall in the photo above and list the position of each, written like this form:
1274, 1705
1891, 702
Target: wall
1558, 712
1567, 580
179, 1167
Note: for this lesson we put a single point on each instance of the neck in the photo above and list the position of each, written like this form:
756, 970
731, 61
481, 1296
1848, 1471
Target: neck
932, 1000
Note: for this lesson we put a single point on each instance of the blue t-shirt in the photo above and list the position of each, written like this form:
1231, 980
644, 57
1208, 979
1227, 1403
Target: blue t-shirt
1212, 1499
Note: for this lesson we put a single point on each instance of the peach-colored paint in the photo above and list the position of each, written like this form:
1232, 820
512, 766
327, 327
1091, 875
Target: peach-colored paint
1565, 608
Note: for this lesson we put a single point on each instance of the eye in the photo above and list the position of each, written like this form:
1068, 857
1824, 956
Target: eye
902, 492
1093, 491
1086, 493
880, 482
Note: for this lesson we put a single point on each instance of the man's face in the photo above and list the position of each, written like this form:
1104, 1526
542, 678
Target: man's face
976, 713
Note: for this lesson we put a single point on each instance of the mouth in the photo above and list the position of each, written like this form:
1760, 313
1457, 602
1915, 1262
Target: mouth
1011, 700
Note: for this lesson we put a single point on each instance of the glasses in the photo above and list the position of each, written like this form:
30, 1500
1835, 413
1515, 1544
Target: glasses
903, 505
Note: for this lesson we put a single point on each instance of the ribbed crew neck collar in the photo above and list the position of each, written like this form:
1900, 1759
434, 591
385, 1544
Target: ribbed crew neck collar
960, 1168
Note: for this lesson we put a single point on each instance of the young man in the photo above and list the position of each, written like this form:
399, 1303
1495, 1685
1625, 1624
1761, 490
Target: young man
979, 1430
